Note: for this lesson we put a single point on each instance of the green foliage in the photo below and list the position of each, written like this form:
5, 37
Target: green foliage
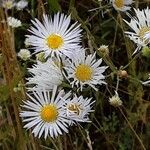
126, 140
54, 5
4, 93
109, 129
110, 123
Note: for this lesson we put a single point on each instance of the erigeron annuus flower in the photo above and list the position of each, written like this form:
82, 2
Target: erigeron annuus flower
78, 109
21, 4
45, 75
14, 23
55, 35
85, 70
140, 25
122, 5
24, 54
115, 100
8, 4
44, 113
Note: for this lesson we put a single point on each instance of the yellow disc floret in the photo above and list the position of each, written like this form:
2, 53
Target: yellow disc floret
143, 31
49, 113
83, 72
119, 3
54, 41
74, 108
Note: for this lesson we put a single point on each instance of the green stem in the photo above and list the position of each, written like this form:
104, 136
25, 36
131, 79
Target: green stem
140, 141
134, 58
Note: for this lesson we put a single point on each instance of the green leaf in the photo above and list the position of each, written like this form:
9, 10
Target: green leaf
54, 5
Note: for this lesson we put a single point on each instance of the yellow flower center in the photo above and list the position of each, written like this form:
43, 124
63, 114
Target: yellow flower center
119, 3
49, 113
143, 32
74, 108
83, 72
54, 41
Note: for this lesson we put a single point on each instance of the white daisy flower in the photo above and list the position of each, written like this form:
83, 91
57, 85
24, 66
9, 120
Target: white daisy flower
14, 23
121, 5
21, 4
85, 70
78, 109
45, 75
44, 113
140, 25
24, 54
8, 4
55, 35
115, 100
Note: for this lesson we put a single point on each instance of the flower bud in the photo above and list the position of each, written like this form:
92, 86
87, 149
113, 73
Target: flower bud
146, 51
115, 100
24, 54
40, 56
122, 74
104, 50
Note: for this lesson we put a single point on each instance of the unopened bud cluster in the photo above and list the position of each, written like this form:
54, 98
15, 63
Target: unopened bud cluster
115, 100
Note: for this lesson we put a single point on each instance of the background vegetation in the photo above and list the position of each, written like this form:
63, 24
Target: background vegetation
123, 128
